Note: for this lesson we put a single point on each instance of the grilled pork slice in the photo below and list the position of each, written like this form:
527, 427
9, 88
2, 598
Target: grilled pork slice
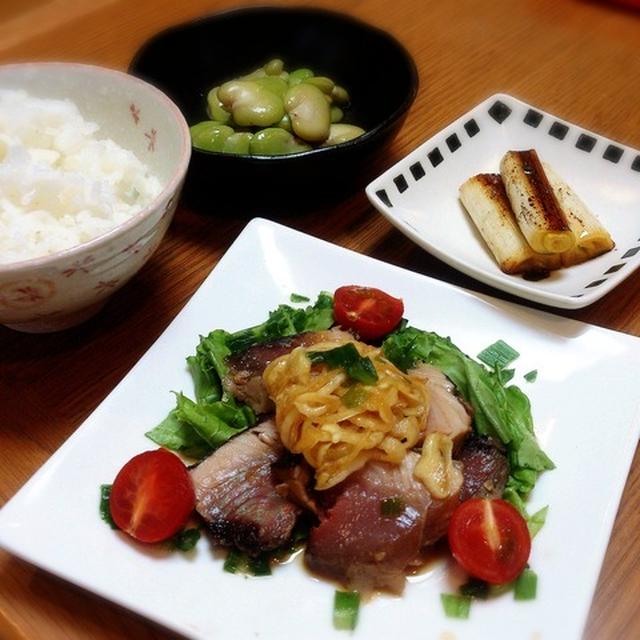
448, 414
237, 493
380, 519
486, 468
534, 203
485, 199
244, 380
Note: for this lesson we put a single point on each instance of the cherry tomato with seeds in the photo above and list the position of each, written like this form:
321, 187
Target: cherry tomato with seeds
370, 312
152, 496
490, 539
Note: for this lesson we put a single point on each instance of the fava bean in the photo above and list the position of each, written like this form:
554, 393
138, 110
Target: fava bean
339, 133
272, 112
276, 142
258, 73
297, 76
251, 104
285, 123
325, 85
274, 67
309, 112
216, 109
340, 95
210, 136
275, 84
238, 143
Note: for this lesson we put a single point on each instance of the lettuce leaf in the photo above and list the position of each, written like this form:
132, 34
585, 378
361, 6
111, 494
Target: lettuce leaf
195, 428
500, 411
285, 321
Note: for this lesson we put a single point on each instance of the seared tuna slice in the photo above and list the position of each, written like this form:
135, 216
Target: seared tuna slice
237, 495
244, 380
448, 413
380, 520
486, 469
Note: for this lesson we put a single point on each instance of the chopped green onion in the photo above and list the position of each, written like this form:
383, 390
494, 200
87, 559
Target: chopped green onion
499, 354
345, 610
105, 511
186, 539
354, 397
259, 566
536, 521
239, 562
391, 507
531, 375
504, 375
296, 297
475, 588
456, 606
526, 585
358, 368
234, 561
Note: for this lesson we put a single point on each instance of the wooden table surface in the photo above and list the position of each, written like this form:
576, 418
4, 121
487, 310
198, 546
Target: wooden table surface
579, 60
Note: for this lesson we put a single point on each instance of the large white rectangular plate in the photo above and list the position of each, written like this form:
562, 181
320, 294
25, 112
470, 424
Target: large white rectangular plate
585, 403
419, 195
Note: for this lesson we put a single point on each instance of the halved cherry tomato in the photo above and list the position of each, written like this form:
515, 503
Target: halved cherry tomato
490, 539
152, 496
371, 313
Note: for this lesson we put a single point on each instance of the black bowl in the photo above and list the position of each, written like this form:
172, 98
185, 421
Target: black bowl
187, 60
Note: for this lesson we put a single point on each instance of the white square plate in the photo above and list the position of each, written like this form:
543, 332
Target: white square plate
586, 387
419, 195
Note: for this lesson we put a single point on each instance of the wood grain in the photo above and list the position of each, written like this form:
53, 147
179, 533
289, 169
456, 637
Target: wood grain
579, 60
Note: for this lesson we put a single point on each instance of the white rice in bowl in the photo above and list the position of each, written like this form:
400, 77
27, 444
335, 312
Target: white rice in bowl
60, 185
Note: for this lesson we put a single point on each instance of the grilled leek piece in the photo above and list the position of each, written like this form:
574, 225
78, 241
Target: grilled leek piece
485, 199
592, 239
534, 203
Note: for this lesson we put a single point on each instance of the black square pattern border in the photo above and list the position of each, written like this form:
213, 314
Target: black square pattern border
499, 111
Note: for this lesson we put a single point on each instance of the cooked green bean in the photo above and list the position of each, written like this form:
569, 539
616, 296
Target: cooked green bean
309, 112
216, 109
274, 67
339, 133
340, 95
210, 135
297, 76
325, 85
271, 111
275, 142
238, 143
336, 114
251, 104
275, 84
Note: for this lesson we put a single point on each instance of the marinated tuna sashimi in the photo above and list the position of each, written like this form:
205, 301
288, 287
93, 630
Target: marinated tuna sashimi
381, 519
244, 379
237, 493
486, 468
447, 413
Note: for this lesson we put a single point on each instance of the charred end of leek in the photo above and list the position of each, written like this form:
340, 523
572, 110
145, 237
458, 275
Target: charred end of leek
485, 199
534, 203
591, 238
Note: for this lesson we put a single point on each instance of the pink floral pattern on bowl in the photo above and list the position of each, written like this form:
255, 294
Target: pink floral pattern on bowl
26, 294
61, 290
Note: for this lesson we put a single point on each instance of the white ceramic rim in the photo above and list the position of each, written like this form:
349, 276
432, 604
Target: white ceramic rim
170, 187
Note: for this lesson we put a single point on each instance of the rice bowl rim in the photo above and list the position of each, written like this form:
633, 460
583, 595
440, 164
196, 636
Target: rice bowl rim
165, 194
